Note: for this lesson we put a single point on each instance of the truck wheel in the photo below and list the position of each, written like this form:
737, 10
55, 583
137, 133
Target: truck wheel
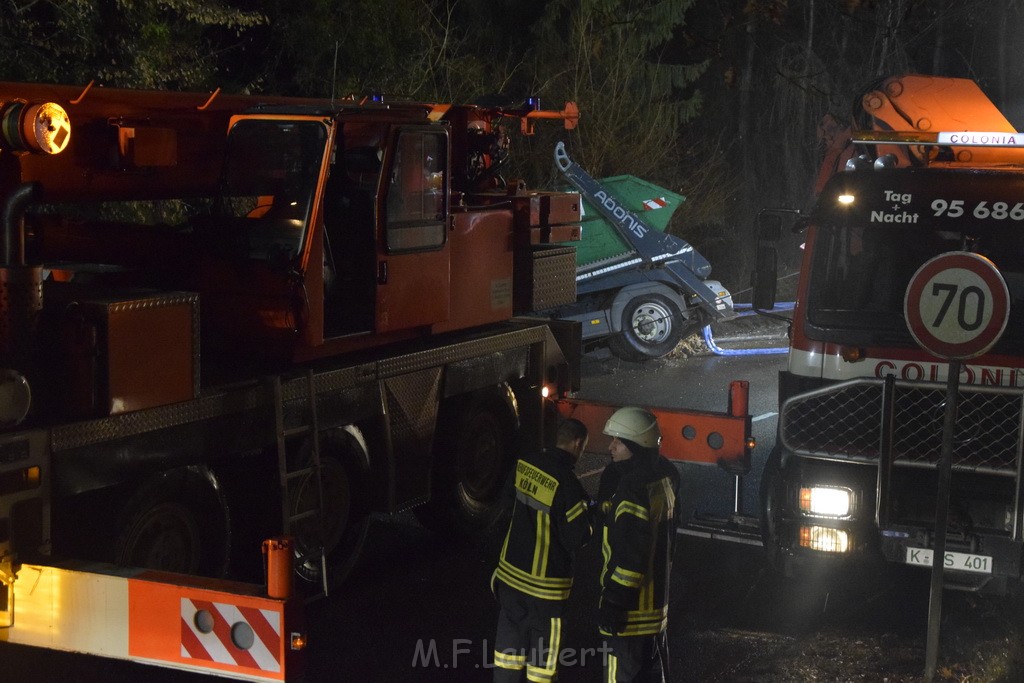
342, 529
652, 326
471, 464
175, 524
772, 498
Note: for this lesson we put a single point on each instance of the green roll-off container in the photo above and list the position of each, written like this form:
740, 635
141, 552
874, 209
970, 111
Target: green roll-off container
600, 240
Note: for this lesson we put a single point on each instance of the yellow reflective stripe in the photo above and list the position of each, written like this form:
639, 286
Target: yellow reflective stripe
646, 622
536, 586
626, 577
637, 615
613, 667
643, 623
626, 507
651, 630
505, 660
575, 511
554, 647
554, 643
535, 675
646, 601
542, 544
504, 566
606, 550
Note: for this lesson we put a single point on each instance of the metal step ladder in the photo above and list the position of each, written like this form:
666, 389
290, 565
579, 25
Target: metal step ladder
290, 478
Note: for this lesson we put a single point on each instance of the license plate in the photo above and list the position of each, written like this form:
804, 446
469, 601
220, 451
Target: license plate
965, 562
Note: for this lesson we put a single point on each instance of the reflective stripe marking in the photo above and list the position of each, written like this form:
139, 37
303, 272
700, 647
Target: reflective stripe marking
505, 660
506, 567
542, 545
627, 578
531, 503
613, 668
216, 645
626, 507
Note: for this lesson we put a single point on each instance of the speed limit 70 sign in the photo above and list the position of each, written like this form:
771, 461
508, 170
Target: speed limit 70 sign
956, 305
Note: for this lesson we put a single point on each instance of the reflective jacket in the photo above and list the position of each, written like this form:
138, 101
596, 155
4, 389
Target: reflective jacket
638, 538
550, 522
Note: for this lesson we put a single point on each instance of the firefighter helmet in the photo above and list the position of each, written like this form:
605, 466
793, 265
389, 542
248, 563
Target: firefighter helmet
636, 425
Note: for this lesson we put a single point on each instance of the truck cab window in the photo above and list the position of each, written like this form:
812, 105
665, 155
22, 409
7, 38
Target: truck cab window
417, 193
270, 176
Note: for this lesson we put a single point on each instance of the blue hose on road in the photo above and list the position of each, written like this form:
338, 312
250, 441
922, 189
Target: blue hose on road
719, 351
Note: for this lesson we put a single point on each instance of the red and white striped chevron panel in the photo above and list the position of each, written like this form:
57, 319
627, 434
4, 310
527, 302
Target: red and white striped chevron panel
225, 633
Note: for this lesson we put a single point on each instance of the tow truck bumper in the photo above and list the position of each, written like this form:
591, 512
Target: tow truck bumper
976, 562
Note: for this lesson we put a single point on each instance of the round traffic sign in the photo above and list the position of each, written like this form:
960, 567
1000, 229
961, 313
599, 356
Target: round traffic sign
957, 305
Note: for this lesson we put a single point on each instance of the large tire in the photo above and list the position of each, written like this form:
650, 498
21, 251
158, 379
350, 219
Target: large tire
177, 523
772, 499
342, 529
651, 327
471, 464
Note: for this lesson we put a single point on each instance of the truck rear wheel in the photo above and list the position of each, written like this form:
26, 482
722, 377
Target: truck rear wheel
176, 523
344, 524
472, 459
651, 327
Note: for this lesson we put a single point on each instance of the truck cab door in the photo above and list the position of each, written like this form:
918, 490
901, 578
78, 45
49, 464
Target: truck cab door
413, 272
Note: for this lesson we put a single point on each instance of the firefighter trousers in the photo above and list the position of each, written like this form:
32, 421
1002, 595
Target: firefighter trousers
639, 659
528, 640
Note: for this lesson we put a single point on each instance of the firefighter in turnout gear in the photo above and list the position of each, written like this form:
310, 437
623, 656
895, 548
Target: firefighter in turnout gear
638, 535
550, 522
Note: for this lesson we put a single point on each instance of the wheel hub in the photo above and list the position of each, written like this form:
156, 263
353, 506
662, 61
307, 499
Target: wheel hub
652, 323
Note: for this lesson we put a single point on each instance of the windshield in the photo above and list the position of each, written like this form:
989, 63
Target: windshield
270, 177
860, 275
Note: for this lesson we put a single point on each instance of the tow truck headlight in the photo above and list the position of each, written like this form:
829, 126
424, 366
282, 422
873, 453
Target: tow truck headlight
824, 539
825, 501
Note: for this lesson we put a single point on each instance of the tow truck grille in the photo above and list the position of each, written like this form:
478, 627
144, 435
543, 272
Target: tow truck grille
847, 421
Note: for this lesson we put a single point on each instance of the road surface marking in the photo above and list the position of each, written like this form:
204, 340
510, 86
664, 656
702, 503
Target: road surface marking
763, 416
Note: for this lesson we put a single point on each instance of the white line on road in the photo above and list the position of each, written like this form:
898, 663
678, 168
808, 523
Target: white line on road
763, 416
591, 473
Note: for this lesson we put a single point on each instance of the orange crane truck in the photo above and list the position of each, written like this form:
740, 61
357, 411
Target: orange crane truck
232, 320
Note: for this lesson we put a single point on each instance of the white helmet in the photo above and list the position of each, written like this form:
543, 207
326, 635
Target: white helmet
636, 425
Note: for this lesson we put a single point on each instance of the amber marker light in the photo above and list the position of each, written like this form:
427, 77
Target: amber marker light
851, 354
298, 641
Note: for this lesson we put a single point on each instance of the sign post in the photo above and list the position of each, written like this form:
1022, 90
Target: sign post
956, 307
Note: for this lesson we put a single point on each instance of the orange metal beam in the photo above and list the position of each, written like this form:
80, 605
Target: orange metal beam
692, 436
